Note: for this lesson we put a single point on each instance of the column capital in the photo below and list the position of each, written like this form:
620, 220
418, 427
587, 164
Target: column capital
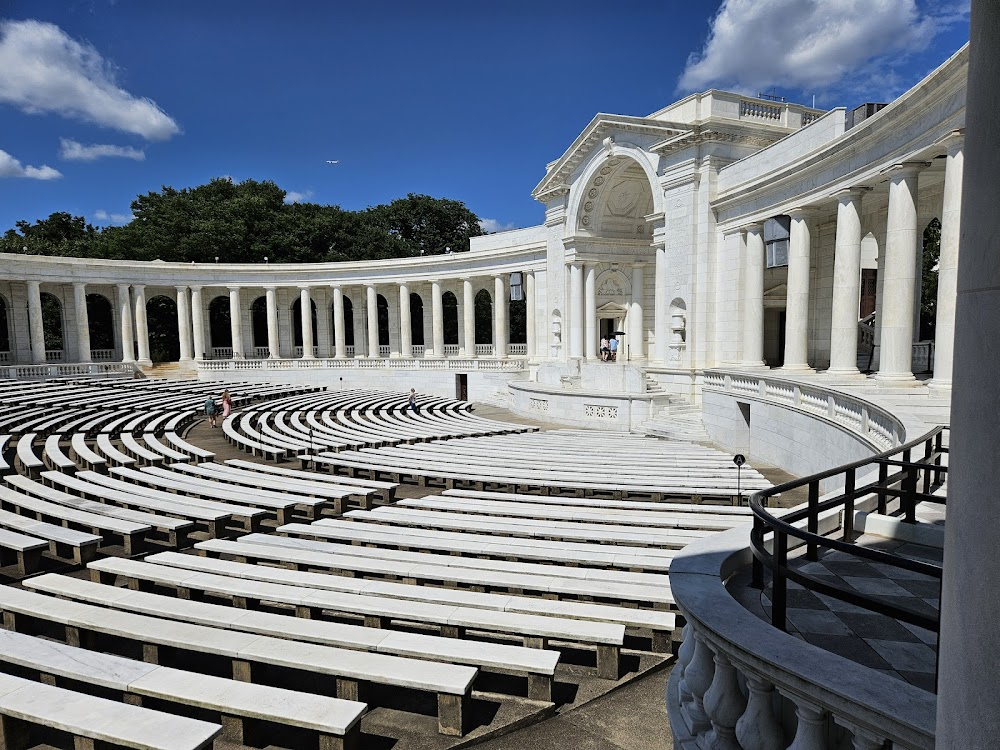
953, 141
233, 288
138, 287
636, 264
853, 193
802, 212
120, 286
78, 284
195, 287
337, 285
270, 288
181, 288
904, 169
753, 226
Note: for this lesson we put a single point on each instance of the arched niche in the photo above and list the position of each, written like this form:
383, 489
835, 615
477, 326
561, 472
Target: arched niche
382, 305
219, 330
258, 322
101, 323
161, 322
416, 319
484, 317
615, 200
449, 307
52, 322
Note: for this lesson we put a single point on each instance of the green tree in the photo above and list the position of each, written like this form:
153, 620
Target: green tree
929, 279
427, 226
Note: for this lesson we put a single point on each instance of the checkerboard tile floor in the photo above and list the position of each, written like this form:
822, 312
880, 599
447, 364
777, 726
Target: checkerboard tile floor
883, 643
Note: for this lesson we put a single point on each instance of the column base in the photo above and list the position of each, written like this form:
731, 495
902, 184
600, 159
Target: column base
892, 379
758, 365
939, 385
845, 372
144, 362
432, 355
799, 369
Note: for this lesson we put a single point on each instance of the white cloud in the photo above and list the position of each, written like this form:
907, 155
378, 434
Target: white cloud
293, 196
71, 150
11, 167
811, 44
43, 70
492, 225
103, 217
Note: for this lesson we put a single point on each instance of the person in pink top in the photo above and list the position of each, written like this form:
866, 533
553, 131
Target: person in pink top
227, 404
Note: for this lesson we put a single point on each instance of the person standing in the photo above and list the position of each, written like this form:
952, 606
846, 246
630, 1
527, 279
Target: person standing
613, 347
412, 403
210, 410
604, 349
227, 404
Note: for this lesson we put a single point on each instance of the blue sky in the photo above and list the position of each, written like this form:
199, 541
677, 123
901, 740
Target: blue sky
101, 101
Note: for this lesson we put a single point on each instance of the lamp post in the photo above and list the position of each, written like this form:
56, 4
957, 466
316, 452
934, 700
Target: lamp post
739, 459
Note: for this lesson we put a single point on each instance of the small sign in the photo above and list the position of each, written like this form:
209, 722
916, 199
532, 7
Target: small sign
739, 459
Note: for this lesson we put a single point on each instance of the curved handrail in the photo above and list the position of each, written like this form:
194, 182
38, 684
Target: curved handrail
907, 477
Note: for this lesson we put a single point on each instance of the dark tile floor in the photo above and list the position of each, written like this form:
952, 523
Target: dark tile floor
904, 651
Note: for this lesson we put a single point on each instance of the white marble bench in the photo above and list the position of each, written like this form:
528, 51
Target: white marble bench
26, 550
451, 683
139, 452
112, 453
198, 454
90, 719
489, 545
29, 463
82, 514
54, 457
598, 502
386, 490
85, 454
336, 720
63, 542
538, 665
380, 611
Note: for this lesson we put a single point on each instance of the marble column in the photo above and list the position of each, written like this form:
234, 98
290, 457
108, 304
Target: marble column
576, 327
590, 338
500, 302
846, 285
753, 297
236, 321
125, 318
82, 322
271, 302
339, 331
902, 244
797, 303
661, 315
951, 214
198, 322
532, 333
405, 323
141, 326
305, 318
36, 326
637, 329
372, 304
184, 323
968, 685
323, 338
469, 318
437, 320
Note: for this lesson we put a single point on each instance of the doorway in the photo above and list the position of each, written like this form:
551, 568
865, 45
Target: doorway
462, 387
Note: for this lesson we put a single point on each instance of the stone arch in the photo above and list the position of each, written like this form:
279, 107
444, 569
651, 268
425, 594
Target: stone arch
348, 321
614, 194
678, 320
101, 322
449, 306
931, 253
416, 319
52, 322
484, 317
297, 321
219, 331
612, 284
161, 322
258, 322
382, 306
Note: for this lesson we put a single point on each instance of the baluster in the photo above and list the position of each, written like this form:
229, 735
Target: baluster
862, 739
698, 674
758, 728
724, 704
810, 734
684, 654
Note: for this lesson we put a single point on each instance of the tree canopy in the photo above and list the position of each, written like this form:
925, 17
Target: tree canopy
249, 221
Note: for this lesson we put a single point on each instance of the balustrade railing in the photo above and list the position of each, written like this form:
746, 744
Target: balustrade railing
297, 351
5, 358
260, 352
53, 355
221, 352
349, 350
383, 350
64, 370
760, 110
102, 355
488, 365
517, 350
419, 350
451, 350
484, 350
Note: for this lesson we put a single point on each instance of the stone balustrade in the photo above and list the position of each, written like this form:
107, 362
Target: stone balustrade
383, 363
42, 372
875, 425
741, 684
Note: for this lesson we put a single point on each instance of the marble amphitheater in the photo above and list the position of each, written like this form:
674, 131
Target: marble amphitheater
329, 568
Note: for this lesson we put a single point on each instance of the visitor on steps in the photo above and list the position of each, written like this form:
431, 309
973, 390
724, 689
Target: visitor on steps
605, 351
613, 346
412, 403
227, 404
210, 410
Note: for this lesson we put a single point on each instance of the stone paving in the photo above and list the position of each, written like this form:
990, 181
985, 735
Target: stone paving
904, 651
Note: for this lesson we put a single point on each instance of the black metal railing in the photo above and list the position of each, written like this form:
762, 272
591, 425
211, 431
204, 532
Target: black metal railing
902, 475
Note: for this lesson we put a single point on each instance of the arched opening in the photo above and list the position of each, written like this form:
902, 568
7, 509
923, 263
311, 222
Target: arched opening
518, 321
348, 321
52, 323
258, 323
929, 280
484, 317
161, 321
218, 323
101, 323
618, 197
416, 319
449, 304
869, 275
4, 332
297, 322
383, 321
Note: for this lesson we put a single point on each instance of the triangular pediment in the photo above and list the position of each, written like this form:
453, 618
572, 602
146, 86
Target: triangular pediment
559, 173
